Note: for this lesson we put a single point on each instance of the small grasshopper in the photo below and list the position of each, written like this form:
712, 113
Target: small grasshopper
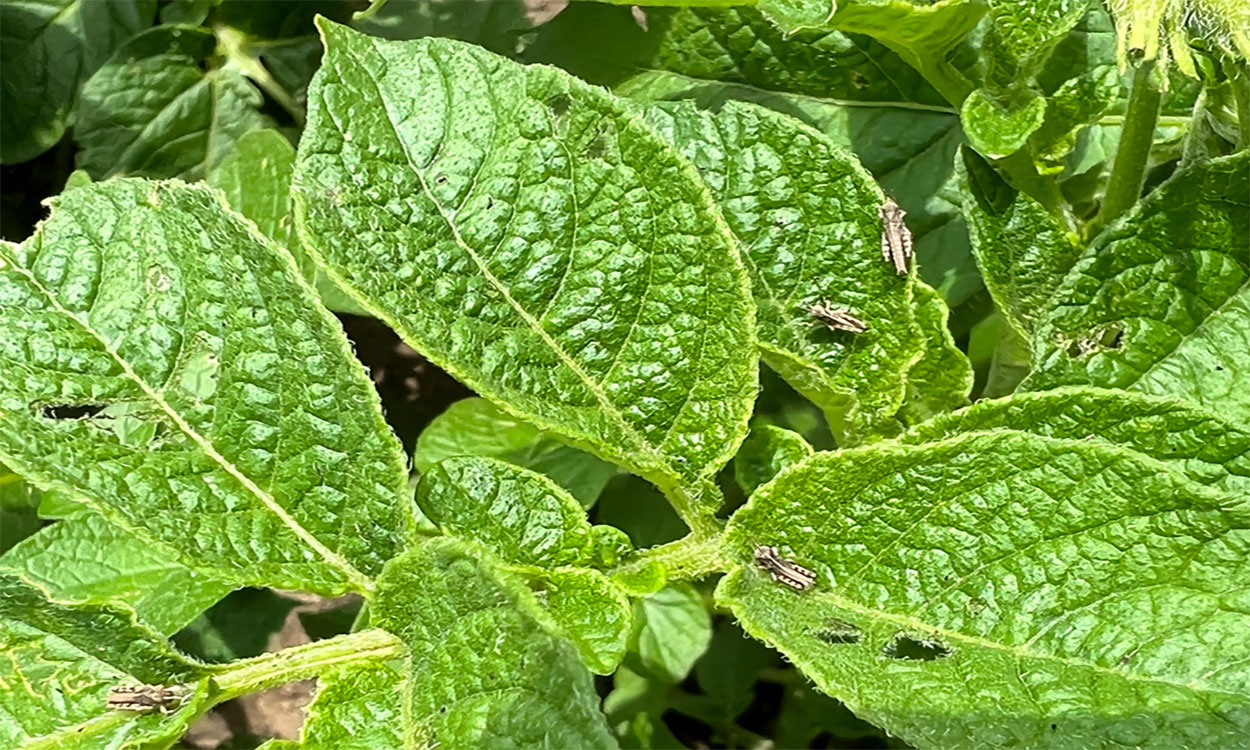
784, 571
836, 319
145, 698
895, 236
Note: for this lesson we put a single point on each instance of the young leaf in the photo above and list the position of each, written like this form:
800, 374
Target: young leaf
1096, 578
484, 668
1160, 302
154, 111
942, 378
163, 362
58, 663
87, 559
256, 178
528, 521
807, 218
999, 129
356, 708
672, 629
531, 236
474, 427
1023, 250
765, 453
50, 48
1192, 440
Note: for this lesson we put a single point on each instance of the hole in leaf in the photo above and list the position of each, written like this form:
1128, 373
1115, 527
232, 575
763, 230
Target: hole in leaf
1111, 337
559, 104
904, 646
71, 411
838, 632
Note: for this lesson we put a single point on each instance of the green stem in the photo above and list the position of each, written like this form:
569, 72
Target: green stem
691, 506
690, 557
301, 662
234, 45
1129, 169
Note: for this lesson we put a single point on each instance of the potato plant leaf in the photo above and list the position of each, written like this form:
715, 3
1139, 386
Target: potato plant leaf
765, 453
1022, 249
485, 667
475, 427
672, 629
50, 48
1160, 302
941, 380
525, 519
806, 216
154, 111
1006, 589
58, 663
87, 559
529, 234
1202, 445
161, 360
19, 505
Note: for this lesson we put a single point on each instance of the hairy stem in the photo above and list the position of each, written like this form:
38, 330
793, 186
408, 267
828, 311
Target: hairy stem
1129, 169
693, 556
301, 662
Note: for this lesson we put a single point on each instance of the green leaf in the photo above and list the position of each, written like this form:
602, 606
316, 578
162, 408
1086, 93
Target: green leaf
50, 48
356, 708
766, 452
474, 427
1004, 589
58, 663
729, 669
997, 129
1022, 249
922, 34
161, 360
89, 560
256, 178
154, 110
591, 611
494, 25
1160, 302
485, 669
672, 629
1192, 440
529, 235
19, 503
861, 95
527, 520
1078, 103
942, 379
806, 216
520, 515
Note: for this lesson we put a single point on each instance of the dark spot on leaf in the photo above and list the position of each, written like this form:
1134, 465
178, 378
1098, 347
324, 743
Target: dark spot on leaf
1220, 369
441, 179
595, 149
490, 202
838, 632
904, 646
1053, 727
559, 104
858, 80
71, 411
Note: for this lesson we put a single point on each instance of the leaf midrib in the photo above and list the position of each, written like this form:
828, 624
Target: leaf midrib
358, 579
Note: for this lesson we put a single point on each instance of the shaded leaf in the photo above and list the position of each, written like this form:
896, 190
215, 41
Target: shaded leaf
546, 281
1023, 250
237, 627
89, 560
672, 629
153, 110
1160, 302
807, 218
943, 567
474, 427
162, 361
19, 503
51, 47
765, 453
